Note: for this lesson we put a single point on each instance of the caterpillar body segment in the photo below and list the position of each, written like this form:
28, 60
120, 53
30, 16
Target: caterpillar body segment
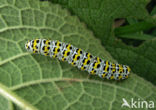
77, 57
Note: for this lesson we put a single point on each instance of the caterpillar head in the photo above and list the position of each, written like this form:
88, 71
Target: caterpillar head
33, 45
28, 45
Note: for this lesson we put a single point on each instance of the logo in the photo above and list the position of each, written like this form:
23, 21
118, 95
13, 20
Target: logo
137, 103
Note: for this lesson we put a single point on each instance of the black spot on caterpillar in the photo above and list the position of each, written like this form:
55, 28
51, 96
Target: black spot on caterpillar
77, 57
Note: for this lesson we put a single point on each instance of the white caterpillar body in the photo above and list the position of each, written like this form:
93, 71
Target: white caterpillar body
77, 57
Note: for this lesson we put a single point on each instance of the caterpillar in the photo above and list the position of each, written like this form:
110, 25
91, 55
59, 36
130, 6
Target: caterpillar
79, 58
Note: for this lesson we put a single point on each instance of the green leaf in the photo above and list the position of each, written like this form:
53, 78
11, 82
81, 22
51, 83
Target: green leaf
137, 36
99, 15
39, 82
140, 26
153, 11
